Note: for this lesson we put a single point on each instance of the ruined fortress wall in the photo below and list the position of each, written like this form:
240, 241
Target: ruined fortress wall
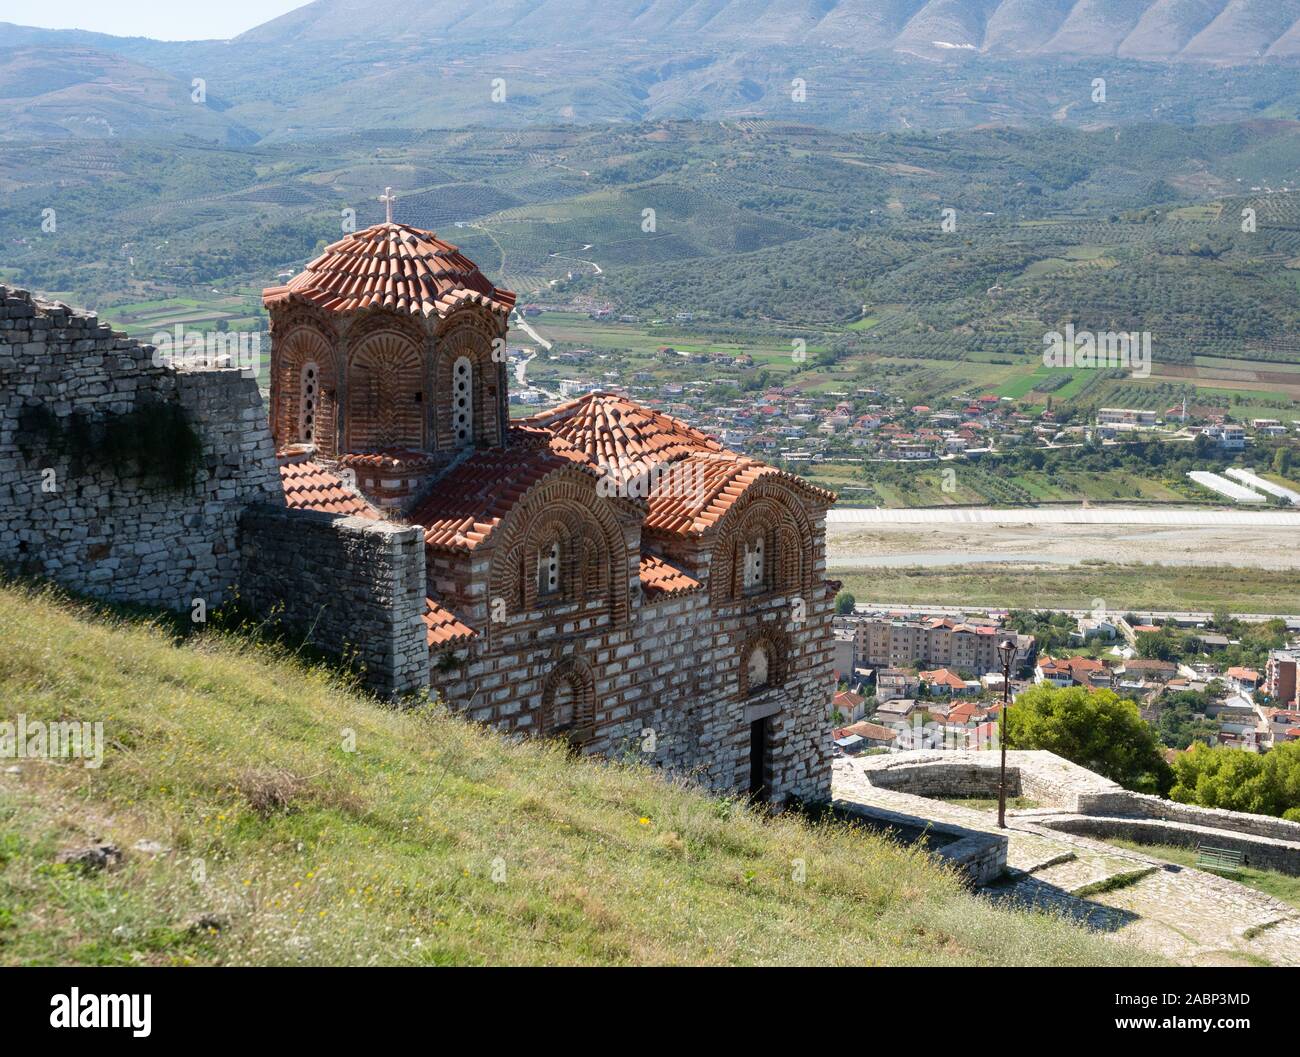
354, 586
110, 532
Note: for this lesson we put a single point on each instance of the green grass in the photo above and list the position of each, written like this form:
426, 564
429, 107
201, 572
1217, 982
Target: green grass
1270, 882
434, 842
1125, 587
1114, 883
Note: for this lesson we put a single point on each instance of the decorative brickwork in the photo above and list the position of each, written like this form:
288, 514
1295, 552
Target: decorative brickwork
600, 572
305, 387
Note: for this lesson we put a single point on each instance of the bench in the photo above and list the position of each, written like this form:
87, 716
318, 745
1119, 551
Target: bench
1218, 859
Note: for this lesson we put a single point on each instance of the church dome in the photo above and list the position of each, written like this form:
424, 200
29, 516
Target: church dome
392, 266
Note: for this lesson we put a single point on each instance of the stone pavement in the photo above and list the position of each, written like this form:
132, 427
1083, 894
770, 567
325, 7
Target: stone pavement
1187, 915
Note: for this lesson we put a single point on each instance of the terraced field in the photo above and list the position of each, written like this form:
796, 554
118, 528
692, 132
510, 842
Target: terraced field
762, 232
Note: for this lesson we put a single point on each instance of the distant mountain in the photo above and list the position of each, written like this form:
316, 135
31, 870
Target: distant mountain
54, 92
1215, 31
338, 67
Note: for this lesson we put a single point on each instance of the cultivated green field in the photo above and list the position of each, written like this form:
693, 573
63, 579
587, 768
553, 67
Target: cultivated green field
1027, 585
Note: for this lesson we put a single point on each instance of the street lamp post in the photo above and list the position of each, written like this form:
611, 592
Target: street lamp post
1007, 652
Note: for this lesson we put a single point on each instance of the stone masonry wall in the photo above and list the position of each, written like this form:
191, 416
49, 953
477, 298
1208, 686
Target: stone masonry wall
354, 586
1139, 805
1259, 852
109, 534
946, 780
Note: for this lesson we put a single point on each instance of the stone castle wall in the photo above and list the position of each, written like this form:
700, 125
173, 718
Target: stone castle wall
102, 531
353, 586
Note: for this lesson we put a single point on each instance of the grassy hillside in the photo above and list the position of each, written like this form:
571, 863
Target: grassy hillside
433, 842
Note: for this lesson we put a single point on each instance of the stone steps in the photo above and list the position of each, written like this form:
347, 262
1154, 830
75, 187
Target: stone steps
1074, 873
1050, 857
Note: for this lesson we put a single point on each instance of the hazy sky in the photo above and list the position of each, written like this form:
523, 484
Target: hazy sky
162, 19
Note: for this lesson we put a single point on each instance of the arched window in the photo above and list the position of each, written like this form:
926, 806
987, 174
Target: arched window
756, 669
763, 661
755, 569
548, 571
561, 713
462, 401
569, 703
308, 401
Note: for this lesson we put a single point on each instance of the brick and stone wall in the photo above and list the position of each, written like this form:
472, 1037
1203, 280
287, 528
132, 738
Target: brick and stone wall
354, 586
667, 678
110, 532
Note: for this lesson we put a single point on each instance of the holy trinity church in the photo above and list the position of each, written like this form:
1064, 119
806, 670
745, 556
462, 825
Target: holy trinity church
600, 572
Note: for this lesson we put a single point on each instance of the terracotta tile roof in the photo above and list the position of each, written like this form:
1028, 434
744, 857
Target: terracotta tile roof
962, 713
944, 677
869, 731
310, 486
620, 437
391, 459
701, 488
445, 628
697, 479
392, 266
661, 579
465, 506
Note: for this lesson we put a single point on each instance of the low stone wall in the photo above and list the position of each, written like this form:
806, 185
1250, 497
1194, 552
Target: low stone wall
980, 857
943, 780
1257, 851
354, 586
1042, 776
1076, 800
1138, 805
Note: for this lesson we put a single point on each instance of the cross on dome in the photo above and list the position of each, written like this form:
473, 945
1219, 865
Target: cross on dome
388, 198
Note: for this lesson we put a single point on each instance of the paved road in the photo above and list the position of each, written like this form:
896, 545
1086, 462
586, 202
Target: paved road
1068, 515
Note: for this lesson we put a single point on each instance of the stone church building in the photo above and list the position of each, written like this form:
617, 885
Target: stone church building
600, 572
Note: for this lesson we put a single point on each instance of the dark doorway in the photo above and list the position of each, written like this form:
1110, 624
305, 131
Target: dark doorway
758, 735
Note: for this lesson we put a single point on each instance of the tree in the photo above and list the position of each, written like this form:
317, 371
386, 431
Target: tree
1282, 461
1158, 645
1096, 729
1238, 780
844, 603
